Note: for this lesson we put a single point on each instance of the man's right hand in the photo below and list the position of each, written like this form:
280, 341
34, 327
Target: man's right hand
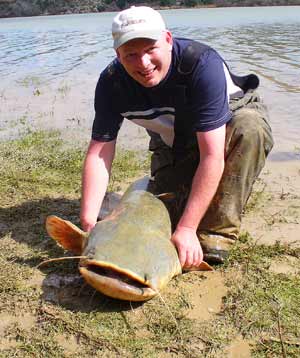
187, 244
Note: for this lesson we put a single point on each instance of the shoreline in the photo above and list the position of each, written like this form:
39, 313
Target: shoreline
30, 104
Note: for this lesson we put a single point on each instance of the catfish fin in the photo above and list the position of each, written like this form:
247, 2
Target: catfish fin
69, 236
204, 266
166, 197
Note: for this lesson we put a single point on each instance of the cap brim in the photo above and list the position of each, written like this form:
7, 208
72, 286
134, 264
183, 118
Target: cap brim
153, 35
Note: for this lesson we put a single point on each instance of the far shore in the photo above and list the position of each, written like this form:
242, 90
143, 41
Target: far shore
10, 9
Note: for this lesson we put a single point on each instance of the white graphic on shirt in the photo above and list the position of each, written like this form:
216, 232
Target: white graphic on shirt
161, 120
162, 123
148, 112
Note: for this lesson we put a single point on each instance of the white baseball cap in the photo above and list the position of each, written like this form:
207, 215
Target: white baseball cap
137, 22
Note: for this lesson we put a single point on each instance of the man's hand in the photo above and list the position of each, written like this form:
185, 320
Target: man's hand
188, 246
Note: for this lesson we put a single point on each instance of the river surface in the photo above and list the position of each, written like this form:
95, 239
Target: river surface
49, 66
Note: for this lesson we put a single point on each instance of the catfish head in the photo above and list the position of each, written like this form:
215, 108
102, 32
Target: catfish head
104, 276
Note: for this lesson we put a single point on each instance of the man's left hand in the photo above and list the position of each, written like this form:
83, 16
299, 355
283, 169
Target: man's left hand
189, 249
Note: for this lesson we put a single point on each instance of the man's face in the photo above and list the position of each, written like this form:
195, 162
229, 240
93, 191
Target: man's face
145, 60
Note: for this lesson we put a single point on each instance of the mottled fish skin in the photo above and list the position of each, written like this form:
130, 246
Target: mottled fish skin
128, 255
135, 240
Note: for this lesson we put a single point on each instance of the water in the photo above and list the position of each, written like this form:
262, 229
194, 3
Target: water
49, 65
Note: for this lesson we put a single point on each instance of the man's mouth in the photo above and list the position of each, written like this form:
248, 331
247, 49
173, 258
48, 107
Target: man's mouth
148, 73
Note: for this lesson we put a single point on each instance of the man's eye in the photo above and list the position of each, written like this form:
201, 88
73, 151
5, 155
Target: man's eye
130, 56
151, 49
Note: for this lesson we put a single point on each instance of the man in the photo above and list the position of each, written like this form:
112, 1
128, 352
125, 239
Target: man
209, 132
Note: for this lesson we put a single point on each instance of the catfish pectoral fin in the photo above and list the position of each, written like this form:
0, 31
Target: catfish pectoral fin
166, 197
204, 266
69, 236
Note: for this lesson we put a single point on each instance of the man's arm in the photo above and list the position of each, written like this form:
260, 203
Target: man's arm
95, 177
205, 183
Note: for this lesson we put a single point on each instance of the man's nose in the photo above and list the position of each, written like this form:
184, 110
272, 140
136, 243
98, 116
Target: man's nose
144, 60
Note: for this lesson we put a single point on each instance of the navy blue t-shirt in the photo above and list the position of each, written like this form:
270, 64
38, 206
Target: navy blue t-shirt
199, 100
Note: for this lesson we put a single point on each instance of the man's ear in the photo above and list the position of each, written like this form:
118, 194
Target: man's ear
118, 53
169, 37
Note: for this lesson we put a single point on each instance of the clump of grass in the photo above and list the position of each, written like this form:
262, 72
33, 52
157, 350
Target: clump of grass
30, 81
39, 165
264, 306
126, 166
37, 92
258, 197
64, 89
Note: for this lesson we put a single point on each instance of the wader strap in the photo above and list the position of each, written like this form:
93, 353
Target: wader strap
186, 65
190, 56
192, 53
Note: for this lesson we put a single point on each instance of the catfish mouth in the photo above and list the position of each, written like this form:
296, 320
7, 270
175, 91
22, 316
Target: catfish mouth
110, 273
115, 282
